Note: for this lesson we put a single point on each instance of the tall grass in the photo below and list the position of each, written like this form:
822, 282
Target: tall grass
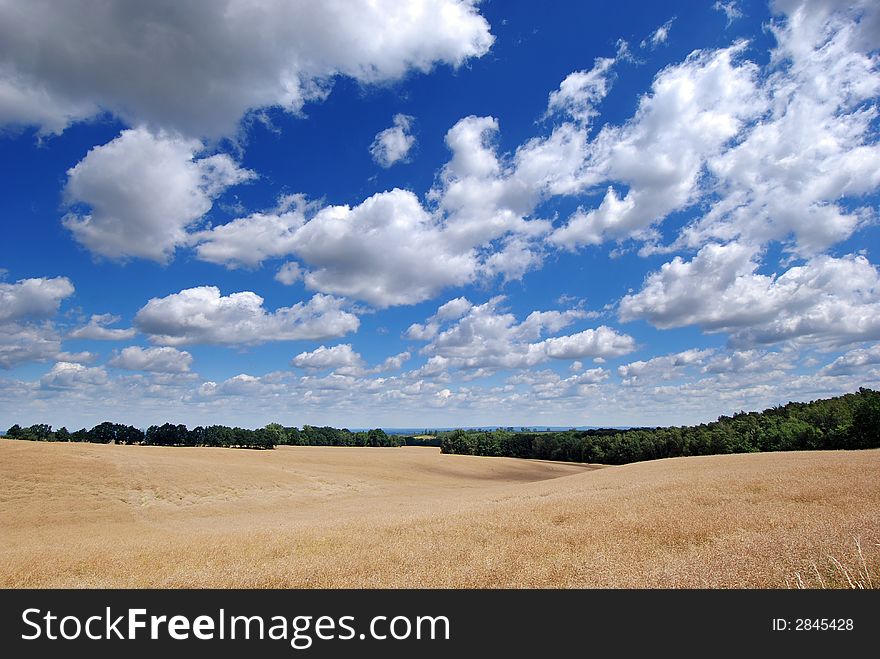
856, 574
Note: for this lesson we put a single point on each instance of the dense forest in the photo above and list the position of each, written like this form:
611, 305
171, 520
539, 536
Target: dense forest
851, 421
170, 434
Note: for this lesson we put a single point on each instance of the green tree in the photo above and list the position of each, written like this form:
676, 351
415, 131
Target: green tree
377, 437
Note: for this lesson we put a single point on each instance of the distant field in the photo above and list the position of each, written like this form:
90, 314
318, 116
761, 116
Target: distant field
86, 515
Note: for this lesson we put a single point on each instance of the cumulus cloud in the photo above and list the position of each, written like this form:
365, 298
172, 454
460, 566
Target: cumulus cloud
751, 361
692, 112
600, 342
478, 193
801, 175
694, 135
484, 338
67, 375
33, 298
96, 329
451, 310
332, 358
289, 273
854, 362
391, 249
202, 315
343, 360
242, 386
826, 300
156, 360
696, 393
664, 367
26, 331
394, 144
21, 343
248, 241
388, 251
82, 357
781, 152
581, 91
143, 190
549, 386
199, 67
394, 362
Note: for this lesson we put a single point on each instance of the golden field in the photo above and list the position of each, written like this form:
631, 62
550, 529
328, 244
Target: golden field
85, 515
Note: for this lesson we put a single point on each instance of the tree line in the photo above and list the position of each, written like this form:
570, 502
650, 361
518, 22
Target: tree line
851, 421
169, 434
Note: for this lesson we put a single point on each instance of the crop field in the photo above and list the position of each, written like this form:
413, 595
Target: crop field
87, 515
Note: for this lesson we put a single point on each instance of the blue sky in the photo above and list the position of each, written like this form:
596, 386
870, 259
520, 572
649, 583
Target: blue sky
436, 213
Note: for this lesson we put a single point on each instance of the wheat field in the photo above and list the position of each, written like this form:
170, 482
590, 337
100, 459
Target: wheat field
84, 515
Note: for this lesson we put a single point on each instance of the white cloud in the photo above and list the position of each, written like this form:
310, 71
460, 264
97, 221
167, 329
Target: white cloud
387, 251
827, 300
659, 36
486, 339
784, 152
394, 144
332, 358
26, 334
751, 361
483, 199
390, 249
156, 360
248, 241
83, 357
692, 112
21, 343
33, 298
730, 8
854, 362
549, 386
67, 375
581, 91
96, 329
202, 315
682, 145
342, 360
592, 397
144, 191
241, 385
394, 362
664, 367
600, 342
472, 153
513, 258
801, 175
289, 273
199, 67
451, 310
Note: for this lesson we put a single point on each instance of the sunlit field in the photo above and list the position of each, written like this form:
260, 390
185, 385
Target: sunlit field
85, 515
